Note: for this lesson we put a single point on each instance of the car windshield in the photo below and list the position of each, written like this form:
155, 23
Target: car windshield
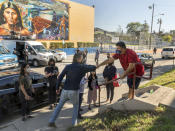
168, 49
39, 48
3, 50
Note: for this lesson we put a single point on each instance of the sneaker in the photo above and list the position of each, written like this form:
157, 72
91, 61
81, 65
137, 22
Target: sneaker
24, 118
80, 117
51, 107
52, 125
55, 104
29, 116
95, 105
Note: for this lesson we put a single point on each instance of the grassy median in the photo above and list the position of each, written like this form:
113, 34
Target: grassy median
167, 79
162, 119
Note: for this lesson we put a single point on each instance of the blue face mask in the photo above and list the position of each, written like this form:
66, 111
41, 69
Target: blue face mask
118, 51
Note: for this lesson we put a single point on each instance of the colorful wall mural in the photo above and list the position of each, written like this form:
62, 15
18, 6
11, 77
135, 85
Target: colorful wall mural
45, 19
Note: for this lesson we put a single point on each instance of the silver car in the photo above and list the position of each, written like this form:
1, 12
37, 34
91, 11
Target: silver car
59, 55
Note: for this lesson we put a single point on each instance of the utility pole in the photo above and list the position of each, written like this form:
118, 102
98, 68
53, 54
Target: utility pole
160, 23
151, 7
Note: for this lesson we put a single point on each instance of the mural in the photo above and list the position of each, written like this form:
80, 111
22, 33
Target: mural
44, 19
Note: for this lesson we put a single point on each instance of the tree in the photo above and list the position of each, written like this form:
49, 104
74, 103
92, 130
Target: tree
167, 38
172, 32
135, 28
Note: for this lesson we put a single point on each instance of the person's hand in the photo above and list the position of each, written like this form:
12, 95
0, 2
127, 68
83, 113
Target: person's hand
58, 91
33, 90
106, 79
122, 77
27, 97
97, 66
50, 74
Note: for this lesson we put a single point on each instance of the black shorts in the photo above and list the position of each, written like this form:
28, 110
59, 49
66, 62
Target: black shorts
130, 82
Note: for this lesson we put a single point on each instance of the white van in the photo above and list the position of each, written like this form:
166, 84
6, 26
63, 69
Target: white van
168, 52
37, 54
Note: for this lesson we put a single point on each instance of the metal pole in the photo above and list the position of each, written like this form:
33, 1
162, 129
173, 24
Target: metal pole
151, 24
160, 23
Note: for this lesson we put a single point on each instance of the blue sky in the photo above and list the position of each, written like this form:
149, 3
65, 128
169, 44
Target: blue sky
109, 14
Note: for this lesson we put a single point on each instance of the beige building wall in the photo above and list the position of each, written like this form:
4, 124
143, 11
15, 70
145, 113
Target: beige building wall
81, 22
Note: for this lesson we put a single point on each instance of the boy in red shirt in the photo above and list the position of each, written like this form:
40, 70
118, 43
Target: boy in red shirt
128, 59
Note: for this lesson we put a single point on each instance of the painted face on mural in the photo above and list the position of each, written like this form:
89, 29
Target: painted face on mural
10, 16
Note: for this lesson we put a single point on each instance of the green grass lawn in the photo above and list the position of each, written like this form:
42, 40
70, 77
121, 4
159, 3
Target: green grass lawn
167, 79
162, 119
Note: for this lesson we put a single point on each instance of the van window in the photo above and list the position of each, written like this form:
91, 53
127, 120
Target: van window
29, 49
167, 49
39, 48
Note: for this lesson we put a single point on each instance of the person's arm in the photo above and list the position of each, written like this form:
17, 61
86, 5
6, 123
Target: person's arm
57, 71
96, 80
88, 68
60, 78
128, 70
47, 74
27, 97
110, 60
105, 73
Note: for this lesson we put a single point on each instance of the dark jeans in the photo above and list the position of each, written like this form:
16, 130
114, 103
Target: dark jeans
25, 104
130, 82
110, 91
52, 94
80, 102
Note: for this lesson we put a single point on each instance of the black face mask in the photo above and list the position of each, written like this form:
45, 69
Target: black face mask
52, 64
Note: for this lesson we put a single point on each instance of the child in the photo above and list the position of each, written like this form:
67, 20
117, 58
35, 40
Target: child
108, 73
82, 86
92, 84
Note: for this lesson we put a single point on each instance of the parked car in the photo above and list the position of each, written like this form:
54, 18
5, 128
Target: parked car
59, 55
146, 59
9, 89
7, 60
168, 52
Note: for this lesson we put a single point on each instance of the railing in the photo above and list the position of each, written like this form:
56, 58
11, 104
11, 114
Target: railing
150, 66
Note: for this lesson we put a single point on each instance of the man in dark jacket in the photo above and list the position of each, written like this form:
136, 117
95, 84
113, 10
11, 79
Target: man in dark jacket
108, 73
74, 73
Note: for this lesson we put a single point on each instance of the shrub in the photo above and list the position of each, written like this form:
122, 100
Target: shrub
55, 45
87, 44
69, 45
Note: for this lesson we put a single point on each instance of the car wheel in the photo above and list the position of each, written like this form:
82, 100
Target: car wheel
35, 63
